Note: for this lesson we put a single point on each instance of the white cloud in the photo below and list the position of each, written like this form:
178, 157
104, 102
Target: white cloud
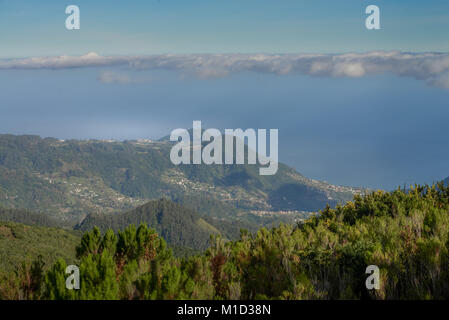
63, 62
430, 67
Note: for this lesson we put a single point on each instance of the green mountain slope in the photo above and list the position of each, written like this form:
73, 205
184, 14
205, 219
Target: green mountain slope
28, 217
73, 178
179, 226
20, 243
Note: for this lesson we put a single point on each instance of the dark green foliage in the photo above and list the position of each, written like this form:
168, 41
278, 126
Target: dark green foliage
405, 234
25, 283
136, 264
181, 227
206, 206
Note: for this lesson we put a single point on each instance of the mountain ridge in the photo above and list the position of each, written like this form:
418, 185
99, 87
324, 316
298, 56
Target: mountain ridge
73, 178
178, 225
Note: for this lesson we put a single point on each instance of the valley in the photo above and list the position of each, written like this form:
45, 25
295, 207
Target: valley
70, 179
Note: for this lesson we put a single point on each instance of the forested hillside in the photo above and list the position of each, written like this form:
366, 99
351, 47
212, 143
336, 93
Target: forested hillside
189, 224
70, 179
28, 217
177, 225
404, 233
20, 243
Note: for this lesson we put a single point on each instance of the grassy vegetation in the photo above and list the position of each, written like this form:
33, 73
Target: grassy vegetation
404, 233
20, 243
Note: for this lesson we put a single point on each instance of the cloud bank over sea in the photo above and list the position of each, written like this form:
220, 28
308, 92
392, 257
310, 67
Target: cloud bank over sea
433, 68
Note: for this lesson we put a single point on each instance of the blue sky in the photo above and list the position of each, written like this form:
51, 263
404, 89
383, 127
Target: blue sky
204, 26
375, 120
